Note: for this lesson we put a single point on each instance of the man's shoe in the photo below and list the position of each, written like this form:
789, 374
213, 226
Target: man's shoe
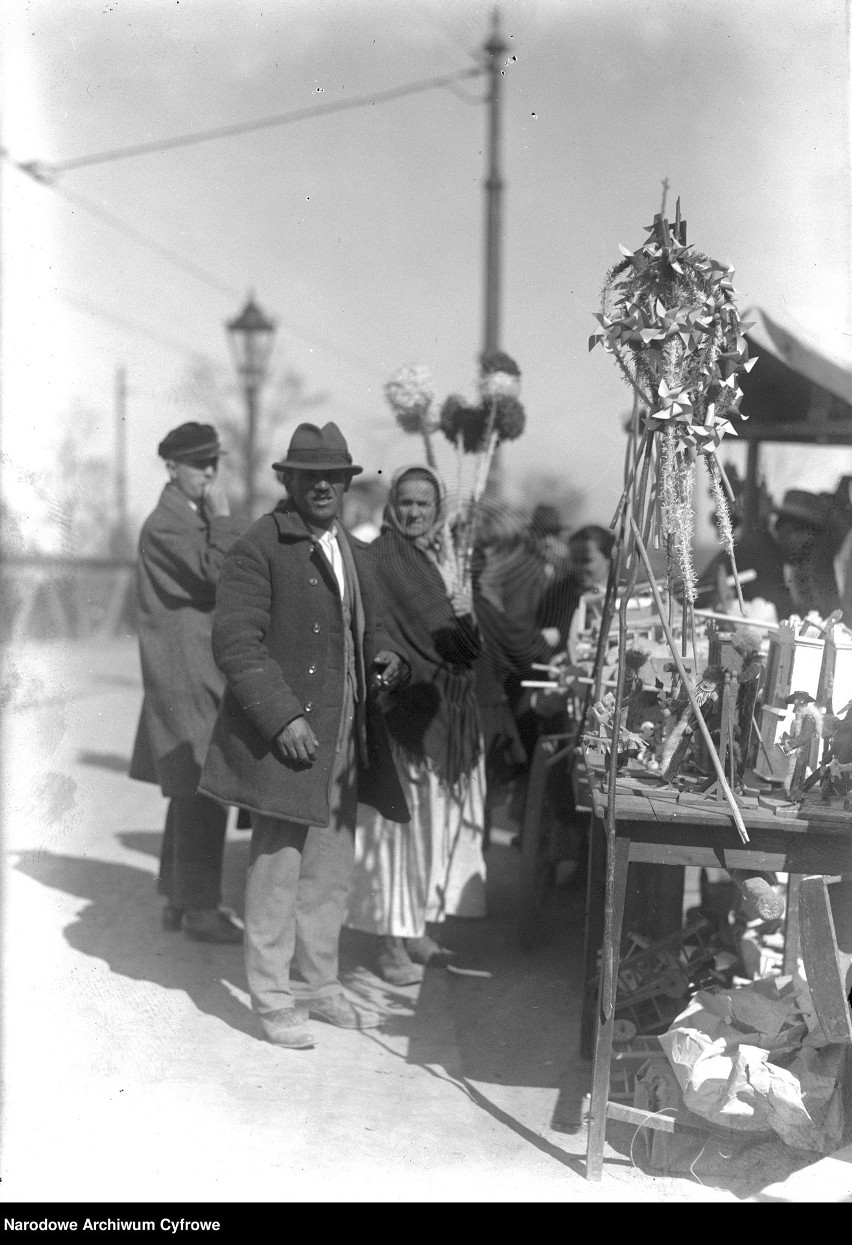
288, 1028
211, 925
338, 1011
395, 966
426, 950
172, 918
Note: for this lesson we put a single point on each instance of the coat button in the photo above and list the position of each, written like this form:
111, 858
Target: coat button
313, 582
312, 669
309, 706
315, 628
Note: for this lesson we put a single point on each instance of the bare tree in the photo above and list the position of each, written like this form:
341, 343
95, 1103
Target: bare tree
76, 494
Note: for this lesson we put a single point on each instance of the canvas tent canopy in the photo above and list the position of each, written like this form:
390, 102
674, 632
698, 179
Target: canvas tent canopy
796, 391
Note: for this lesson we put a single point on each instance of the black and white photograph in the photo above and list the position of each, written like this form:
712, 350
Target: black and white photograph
426, 611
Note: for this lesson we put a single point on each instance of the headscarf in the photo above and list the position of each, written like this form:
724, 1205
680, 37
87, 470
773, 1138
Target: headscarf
437, 541
434, 717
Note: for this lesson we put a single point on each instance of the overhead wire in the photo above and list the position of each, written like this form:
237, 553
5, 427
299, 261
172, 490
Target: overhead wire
144, 240
200, 274
449, 37
45, 170
142, 330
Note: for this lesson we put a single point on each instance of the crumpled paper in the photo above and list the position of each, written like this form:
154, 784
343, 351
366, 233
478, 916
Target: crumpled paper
756, 1058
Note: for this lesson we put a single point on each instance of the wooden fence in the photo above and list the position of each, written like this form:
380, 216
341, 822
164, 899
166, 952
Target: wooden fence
52, 598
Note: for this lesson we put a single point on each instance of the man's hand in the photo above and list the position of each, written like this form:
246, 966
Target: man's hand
216, 501
298, 742
389, 671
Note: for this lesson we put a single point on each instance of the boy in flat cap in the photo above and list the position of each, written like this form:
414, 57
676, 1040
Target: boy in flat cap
300, 738
181, 547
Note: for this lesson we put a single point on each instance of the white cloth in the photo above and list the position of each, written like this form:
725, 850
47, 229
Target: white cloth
328, 543
424, 871
843, 567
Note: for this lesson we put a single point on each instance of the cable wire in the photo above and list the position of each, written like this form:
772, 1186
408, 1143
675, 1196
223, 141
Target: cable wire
444, 30
46, 170
207, 278
130, 231
142, 330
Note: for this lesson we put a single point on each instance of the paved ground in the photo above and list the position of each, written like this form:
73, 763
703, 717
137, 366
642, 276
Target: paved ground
132, 1063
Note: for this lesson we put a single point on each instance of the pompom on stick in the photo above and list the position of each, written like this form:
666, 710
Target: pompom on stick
411, 393
460, 420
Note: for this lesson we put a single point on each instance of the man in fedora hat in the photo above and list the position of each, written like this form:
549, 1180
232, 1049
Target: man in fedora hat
300, 739
803, 533
181, 547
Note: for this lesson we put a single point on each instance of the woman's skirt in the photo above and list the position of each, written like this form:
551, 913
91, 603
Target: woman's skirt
424, 871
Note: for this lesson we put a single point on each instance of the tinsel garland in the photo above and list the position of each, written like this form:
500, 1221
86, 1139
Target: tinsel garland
720, 503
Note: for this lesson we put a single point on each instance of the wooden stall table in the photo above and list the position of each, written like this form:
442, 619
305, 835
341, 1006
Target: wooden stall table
656, 830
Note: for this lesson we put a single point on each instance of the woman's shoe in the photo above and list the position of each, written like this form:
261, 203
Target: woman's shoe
395, 966
426, 950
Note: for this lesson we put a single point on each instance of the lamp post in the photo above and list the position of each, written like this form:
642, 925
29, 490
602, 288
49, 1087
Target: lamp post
251, 335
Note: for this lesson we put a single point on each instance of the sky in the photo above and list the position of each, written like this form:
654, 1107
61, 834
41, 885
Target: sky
361, 232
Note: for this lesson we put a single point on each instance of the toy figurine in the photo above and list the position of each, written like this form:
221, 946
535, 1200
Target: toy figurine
796, 744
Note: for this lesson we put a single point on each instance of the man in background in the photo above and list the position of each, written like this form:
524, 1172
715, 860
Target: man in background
181, 548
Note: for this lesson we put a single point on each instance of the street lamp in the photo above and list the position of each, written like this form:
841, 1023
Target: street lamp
250, 336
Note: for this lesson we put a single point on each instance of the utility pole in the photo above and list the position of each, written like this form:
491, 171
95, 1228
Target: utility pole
495, 50
120, 539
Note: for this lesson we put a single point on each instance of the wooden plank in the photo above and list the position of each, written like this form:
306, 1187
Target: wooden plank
706, 857
614, 903
593, 931
787, 853
676, 1123
791, 926
826, 981
707, 813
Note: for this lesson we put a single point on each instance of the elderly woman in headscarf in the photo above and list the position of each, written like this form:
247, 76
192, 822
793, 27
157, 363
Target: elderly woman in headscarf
406, 876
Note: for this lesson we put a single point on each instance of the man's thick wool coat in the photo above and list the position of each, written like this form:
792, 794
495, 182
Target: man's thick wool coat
278, 639
180, 556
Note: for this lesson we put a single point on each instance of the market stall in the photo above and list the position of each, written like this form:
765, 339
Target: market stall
709, 738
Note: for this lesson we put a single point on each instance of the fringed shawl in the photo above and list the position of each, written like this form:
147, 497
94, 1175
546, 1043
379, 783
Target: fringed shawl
434, 717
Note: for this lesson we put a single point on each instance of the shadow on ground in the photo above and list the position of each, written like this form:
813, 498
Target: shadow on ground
500, 1016
504, 1017
120, 925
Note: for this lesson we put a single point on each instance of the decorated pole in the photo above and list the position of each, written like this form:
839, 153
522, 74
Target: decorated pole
669, 319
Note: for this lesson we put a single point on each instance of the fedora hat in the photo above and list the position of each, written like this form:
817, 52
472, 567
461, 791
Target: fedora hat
804, 507
317, 449
189, 442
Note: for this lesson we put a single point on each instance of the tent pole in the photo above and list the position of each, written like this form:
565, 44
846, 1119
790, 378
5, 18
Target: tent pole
750, 494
